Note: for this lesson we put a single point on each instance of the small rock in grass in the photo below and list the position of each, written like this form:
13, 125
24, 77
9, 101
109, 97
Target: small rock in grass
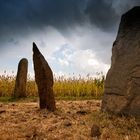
2, 111
54, 121
82, 112
67, 123
98, 104
51, 128
82, 123
95, 131
13, 104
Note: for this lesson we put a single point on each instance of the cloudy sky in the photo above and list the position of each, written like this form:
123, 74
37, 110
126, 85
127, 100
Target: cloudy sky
75, 36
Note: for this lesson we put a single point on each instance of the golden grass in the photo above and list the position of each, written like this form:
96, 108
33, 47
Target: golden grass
75, 87
116, 127
7, 84
112, 127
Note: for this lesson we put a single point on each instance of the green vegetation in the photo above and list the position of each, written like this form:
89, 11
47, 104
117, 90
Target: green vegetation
75, 88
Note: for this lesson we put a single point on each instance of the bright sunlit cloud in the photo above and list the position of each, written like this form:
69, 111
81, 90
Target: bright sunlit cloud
81, 51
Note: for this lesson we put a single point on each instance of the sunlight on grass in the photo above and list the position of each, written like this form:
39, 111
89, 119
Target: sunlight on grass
64, 88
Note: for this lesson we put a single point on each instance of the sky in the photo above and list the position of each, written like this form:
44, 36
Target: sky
75, 36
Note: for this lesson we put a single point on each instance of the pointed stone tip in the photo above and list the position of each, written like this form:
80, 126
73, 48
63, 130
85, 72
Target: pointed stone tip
34, 44
35, 49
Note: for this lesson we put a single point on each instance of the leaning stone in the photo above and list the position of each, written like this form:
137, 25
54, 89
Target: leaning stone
44, 80
122, 84
21, 79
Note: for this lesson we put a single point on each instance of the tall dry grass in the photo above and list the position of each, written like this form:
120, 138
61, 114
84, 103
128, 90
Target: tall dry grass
63, 87
79, 86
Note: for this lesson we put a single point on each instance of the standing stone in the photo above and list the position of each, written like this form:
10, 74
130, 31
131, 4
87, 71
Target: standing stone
122, 85
21, 79
44, 80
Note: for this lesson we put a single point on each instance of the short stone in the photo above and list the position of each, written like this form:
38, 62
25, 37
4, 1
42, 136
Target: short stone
21, 79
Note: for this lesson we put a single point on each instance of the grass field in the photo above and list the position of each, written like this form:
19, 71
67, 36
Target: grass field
73, 118
64, 88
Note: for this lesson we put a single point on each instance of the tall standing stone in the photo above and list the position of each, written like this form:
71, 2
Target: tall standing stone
21, 79
122, 85
44, 80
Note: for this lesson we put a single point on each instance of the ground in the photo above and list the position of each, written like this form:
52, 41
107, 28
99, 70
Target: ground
26, 121
71, 121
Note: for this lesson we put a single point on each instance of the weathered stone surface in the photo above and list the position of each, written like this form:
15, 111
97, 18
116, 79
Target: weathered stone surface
44, 80
21, 79
122, 85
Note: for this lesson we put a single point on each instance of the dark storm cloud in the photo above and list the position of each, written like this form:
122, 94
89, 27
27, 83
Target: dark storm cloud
106, 13
58, 13
102, 14
21, 17
38, 13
